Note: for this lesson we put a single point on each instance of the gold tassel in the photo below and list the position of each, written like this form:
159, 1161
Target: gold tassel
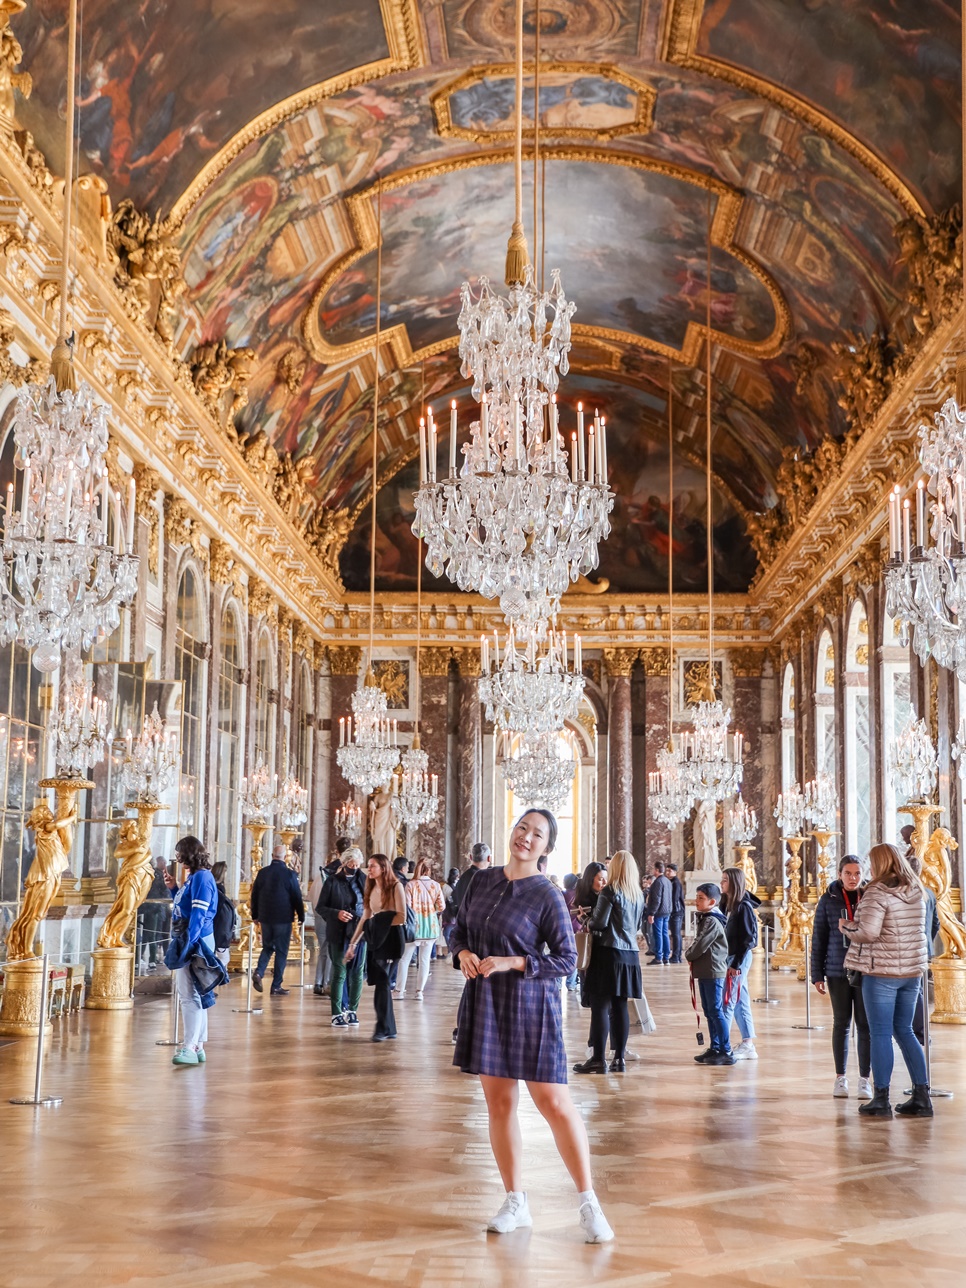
961, 380
517, 255
62, 367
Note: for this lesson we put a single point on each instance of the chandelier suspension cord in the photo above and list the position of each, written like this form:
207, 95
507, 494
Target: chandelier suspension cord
537, 240
961, 363
670, 550
60, 360
375, 425
710, 516
516, 251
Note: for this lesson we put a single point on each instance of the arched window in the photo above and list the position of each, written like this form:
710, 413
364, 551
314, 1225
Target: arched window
789, 765
825, 707
264, 746
189, 670
857, 797
231, 694
302, 710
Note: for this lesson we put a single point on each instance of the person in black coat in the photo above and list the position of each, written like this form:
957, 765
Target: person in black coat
660, 905
675, 923
740, 906
341, 903
275, 899
828, 975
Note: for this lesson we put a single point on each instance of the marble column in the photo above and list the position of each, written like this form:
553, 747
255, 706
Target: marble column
434, 666
344, 664
469, 751
621, 786
748, 716
657, 679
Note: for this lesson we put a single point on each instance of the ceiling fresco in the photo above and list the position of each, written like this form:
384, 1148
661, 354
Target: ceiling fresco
264, 131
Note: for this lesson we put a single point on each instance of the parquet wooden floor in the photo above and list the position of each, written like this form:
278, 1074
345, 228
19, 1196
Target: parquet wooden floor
300, 1155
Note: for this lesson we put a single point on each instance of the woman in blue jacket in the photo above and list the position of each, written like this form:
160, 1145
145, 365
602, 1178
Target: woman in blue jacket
195, 904
828, 974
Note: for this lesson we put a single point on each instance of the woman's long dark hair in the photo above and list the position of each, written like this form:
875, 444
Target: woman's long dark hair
387, 881
737, 886
192, 854
585, 896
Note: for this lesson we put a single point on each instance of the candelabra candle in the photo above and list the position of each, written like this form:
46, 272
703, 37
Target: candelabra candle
820, 806
81, 728
348, 820
151, 762
790, 811
292, 803
744, 823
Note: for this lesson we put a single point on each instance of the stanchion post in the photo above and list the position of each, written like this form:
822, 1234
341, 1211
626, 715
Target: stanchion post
176, 1016
37, 1099
248, 1009
808, 994
933, 1091
769, 944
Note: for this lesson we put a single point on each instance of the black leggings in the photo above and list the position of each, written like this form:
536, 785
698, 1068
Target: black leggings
847, 1002
609, 1012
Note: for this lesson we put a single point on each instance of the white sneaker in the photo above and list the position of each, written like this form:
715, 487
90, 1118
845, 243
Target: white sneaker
513, 1215
865, 1091
841, 1089
594, 1223
398, 997
745, 1050
419, 996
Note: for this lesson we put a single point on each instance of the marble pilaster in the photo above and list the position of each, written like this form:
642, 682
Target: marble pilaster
469, 751
748, 717
658, 836
344, 667
620, 725
434, 695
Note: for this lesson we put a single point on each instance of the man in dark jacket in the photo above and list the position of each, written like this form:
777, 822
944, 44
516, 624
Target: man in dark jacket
660, 904
341, 904
480, 857
675, 923
275, 899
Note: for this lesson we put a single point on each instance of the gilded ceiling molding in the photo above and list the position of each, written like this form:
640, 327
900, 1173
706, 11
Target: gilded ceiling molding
406, 51
360, 209
641, 124
679, 42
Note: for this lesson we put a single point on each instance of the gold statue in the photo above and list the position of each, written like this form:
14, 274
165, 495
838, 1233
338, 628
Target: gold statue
54, 836
133, 883
937, 875
11, 55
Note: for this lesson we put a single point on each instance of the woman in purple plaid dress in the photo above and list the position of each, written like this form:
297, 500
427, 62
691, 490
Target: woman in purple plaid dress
510, 1026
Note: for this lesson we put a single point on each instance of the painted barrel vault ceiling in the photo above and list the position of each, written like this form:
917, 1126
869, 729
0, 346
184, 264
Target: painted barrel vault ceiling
265, 131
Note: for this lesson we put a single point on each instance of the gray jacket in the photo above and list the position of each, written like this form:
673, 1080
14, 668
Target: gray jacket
616, 920
890, 933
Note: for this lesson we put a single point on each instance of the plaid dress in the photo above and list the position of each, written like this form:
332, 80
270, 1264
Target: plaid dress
510, 1025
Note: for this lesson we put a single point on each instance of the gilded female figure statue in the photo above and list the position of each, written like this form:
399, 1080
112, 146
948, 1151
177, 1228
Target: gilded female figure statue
54, 837
937, 875
134, 879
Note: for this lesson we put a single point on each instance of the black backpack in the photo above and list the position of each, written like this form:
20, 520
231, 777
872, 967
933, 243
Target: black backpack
223, 928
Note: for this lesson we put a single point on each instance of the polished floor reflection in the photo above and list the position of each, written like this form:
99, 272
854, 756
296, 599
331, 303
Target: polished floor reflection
306, 1156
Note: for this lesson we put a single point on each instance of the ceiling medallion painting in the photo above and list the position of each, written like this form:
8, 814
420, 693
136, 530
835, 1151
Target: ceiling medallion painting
577, 100
598, 29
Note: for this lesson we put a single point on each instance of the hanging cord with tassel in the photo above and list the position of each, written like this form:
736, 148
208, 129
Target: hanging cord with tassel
537, 240
961, 361
375, 428
670, 555
710, 693
517, 256
61, 359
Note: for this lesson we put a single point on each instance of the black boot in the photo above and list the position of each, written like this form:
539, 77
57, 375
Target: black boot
878, 1106
918, 1106
591, 1066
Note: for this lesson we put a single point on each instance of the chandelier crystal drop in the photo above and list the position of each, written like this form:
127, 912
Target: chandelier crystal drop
81, 727
292, 804
743, 822
790, 811
415, 791
258, 794
669, 790
532, 688
63, 583
151, 761
539, 768
712, 757
913, 762
348, 820
820, 803
368, 751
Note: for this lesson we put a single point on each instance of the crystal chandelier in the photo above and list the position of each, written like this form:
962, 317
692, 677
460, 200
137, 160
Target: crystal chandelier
512, 521
81, 727
292, 804
258, 794
368, 750
743, 822
348, 820
790, 811
63, 583
151, 761
539, 768
415, 791
821, 805
913, 762
532, 689
669, 790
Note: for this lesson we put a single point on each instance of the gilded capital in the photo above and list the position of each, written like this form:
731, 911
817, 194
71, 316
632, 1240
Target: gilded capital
302, 641
619, 661
344, 659
434, 661
866, 567
747, 663
469, 662
220, 560
261, 601
656, 661
147, 483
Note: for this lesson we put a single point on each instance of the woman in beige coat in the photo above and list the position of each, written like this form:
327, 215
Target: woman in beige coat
888, 946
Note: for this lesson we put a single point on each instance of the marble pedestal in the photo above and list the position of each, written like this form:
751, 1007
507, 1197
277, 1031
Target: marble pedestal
949, 990
112, 975
20, 1006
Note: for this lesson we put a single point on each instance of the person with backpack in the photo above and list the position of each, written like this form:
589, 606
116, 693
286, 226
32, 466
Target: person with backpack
425, 903
226, 918
739, 906
708, 955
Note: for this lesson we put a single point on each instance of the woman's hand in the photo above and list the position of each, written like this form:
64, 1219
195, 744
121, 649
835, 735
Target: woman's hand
820, 986
350, 952
845, 925
168, 879
497, 965
469, 964
733, 971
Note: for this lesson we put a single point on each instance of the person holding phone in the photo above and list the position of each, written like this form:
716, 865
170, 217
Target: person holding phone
192, 926
829, 976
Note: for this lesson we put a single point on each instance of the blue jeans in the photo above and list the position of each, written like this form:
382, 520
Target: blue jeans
276, 938
712, 1000
662, 940
889, 1006
740, 1007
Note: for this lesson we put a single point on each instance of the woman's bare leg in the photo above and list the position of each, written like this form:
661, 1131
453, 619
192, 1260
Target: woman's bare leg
569, 1133
502, 1097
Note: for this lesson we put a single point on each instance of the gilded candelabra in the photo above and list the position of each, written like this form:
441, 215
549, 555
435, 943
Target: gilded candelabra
824, 862
794, 917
